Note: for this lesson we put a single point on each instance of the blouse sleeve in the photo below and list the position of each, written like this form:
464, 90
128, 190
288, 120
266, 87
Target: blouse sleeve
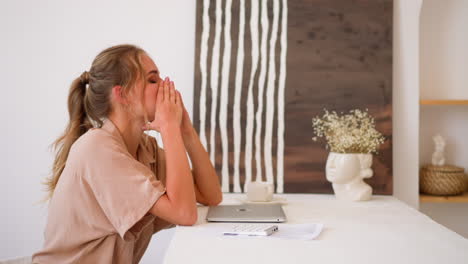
124, 188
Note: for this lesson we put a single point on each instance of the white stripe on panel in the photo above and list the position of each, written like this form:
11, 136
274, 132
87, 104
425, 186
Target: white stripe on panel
237, 96
250, 110
270, 96
281, 88
203, 64
223, 104
261, 86
214, 80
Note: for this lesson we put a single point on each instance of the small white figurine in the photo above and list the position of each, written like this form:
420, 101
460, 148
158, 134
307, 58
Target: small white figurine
438, 158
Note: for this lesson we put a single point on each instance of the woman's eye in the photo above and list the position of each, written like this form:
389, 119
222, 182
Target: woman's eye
153, 81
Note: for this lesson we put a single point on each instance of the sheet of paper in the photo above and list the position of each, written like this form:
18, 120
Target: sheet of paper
298, 231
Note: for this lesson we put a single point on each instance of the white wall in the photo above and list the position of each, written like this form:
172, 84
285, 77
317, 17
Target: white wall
444, 75
45, 44
444, 49
406, 100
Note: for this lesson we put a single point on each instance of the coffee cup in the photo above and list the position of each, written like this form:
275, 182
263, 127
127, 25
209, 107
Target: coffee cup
258, 191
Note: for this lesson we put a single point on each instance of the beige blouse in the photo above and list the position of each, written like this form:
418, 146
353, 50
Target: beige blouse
99, 210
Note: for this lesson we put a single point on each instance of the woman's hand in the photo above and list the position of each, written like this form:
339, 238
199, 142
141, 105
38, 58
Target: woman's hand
186, 127
169, 109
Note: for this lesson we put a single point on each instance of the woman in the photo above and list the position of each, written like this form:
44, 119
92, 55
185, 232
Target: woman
112, 187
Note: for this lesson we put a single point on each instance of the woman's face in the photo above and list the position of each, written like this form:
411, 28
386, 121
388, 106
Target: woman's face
152, 80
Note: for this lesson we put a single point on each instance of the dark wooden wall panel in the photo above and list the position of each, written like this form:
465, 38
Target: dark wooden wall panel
339, 57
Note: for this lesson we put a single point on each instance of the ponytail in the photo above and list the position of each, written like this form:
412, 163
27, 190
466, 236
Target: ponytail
77, 126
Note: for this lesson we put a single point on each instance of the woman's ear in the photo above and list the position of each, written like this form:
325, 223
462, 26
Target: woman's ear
118, 94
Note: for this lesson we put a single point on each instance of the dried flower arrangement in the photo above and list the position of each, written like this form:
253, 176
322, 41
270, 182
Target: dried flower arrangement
349, 133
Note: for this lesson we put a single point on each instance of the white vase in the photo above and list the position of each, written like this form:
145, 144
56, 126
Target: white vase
346, 173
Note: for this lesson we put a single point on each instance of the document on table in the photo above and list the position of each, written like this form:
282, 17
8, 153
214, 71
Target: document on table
298, 231
309, 231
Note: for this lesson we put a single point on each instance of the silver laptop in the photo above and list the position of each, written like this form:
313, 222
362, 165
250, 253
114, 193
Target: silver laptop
261, 213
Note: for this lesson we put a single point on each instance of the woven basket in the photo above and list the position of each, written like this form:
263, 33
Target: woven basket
442, 180
466, 182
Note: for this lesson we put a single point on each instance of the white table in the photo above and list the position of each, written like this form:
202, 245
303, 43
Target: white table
383, 230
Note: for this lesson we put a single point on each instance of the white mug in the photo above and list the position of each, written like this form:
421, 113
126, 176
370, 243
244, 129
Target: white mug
258, 191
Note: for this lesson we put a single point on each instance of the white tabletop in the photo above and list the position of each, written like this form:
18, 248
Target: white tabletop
383, 230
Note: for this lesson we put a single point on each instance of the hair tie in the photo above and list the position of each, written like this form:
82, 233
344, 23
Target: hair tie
84, 77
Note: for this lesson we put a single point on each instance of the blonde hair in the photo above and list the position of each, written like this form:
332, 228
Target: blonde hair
89, 99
